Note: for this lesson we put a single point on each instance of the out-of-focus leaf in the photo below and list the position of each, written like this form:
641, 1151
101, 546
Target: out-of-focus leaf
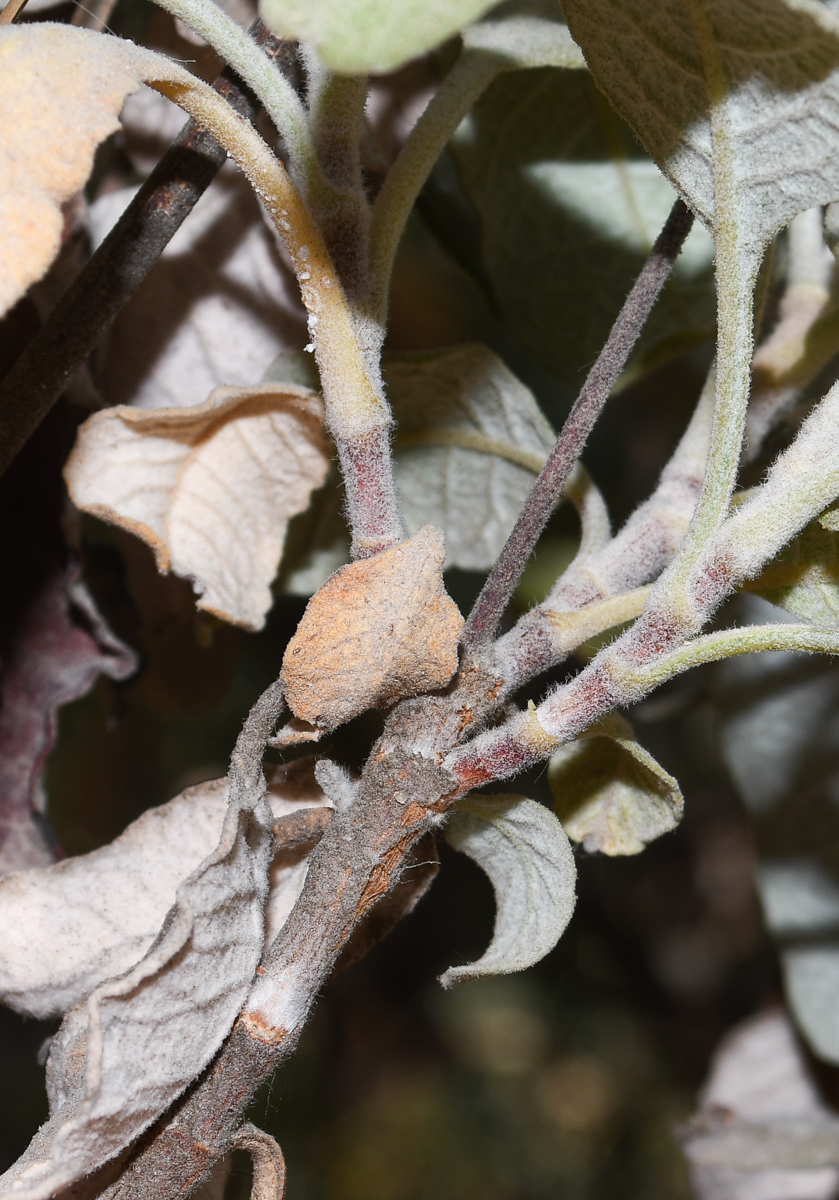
470, 441
58, 653
377, 630
217, 308
774, 67
211, 489
358, 36
68, 927
804, 577
569, 206
528, 858
611, 794
759, 1077
124, 1054
780, 738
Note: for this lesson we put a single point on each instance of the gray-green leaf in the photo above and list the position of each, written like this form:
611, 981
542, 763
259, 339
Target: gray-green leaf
528, 858
358, 36
568, 207
769, 69
611, 794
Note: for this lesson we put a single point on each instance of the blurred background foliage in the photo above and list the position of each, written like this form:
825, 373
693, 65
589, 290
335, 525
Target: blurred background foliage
566, 1081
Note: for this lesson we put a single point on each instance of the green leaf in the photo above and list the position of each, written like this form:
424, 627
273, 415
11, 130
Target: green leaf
768, 69
612, 795
528, 858
779, 720
569, 206
358, 36
470, 441
525, 41
804, 577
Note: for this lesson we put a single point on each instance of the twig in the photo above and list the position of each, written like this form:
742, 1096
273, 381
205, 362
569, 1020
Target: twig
120, 264
11, 11
499, 587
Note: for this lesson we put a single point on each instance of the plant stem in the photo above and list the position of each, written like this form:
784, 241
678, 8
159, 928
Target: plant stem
120, 264
472, 73
274, 92
497, 591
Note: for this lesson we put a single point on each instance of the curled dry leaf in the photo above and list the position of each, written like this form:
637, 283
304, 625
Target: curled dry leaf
124, 1054
378, 630
611, 794
528, 858
68, 927
61, 649
211, 488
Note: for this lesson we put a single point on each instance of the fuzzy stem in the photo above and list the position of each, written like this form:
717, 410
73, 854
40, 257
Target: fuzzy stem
272, 89
495, 596
357, 412
338, 201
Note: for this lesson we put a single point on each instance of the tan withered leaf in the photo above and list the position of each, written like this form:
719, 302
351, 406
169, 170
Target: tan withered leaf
210, 488
61, 91
376, 631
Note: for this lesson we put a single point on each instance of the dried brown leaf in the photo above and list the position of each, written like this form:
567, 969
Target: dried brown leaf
211, 488
378, 630
61, 91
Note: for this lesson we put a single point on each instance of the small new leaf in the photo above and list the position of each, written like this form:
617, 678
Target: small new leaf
358, 36
528, 858
211, 489
377, 630
804, 577
612, 795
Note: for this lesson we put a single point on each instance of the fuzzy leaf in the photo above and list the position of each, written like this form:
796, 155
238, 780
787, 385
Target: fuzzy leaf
568, 207
471, 440
804, 577
358, 36
525, 41
772, 69
611, 794
68, 927
61, 648
124, 1054
377, 630
210, 489
61, 91
216, 308
528, 858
